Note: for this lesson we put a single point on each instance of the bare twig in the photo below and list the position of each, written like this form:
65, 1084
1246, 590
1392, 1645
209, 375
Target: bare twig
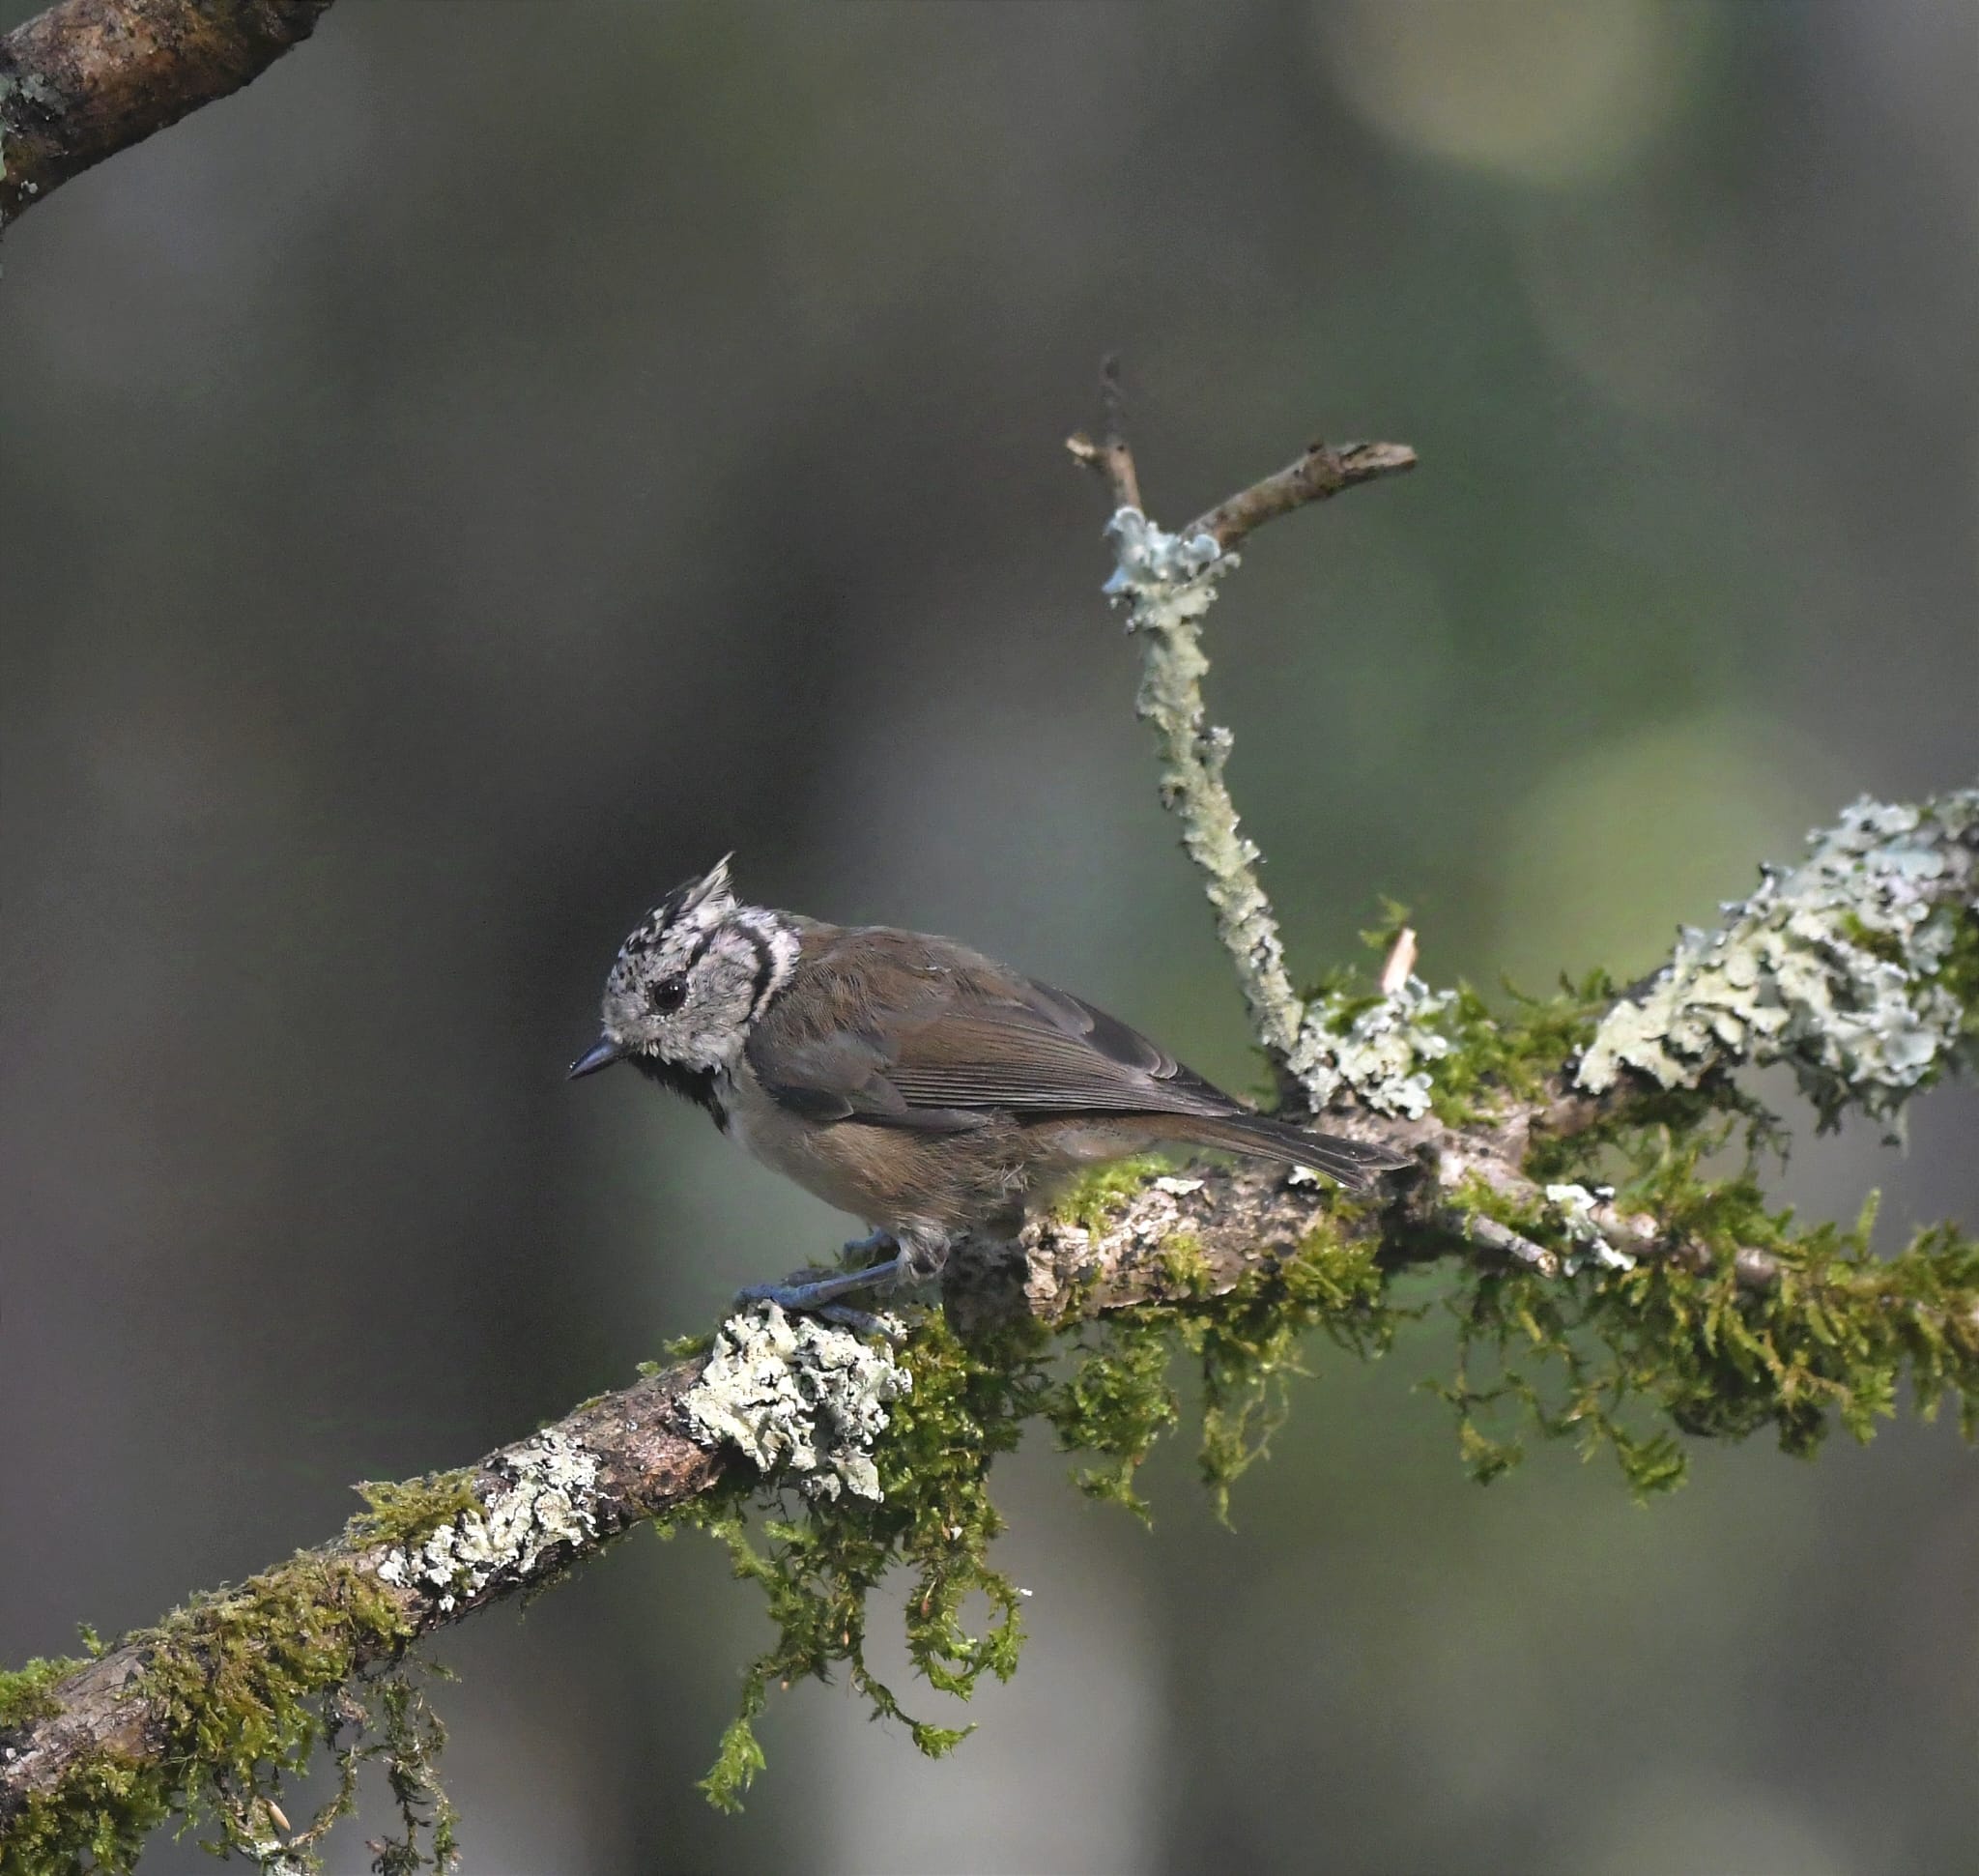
1320, 472
90, 77
1110, 457
1168, 581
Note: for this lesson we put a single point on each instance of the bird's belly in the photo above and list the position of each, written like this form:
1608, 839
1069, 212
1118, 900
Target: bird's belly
888, 1176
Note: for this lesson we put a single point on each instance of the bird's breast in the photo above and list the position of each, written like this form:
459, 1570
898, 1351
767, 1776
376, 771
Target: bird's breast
888, 1176
788, 1143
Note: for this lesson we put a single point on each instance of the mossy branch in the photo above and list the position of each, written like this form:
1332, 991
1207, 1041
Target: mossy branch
202, 1713
90, 77
1605, 1288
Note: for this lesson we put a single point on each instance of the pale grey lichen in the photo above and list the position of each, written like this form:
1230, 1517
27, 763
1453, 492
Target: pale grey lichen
1167, 583
1578, 1211
550, 1501
797, 1395
1163, 574
1382, 1051
1832, 968
274, 1857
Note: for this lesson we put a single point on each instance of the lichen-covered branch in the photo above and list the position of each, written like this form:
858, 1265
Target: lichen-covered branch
90, 77
1854, 968
1167, 583
1598, 1284
202, 1710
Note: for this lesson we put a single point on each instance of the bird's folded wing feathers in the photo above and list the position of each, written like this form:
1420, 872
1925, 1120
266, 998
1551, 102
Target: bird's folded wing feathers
942, 1065
1007, 1057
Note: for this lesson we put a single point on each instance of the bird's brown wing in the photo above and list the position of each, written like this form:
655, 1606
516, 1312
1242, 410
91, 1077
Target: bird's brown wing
937, 1038
1048, 1053
904, 1031
1043, 1052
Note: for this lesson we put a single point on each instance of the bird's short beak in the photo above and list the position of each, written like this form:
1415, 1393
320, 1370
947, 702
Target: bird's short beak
602, 1054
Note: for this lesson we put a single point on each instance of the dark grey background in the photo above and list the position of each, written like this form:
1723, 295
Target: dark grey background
513, 453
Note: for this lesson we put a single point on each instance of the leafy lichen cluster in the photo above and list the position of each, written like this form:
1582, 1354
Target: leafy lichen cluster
796, 1395
1415, 1050
1381, 1049
818, 1559
545, 1499
1844, 967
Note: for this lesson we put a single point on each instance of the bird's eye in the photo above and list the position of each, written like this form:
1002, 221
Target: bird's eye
669, 993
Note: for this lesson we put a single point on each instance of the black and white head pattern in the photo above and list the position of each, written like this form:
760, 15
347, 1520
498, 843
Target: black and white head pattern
695, 973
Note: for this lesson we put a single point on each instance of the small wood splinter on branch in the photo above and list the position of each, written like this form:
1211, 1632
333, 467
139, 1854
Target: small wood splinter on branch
1400, 964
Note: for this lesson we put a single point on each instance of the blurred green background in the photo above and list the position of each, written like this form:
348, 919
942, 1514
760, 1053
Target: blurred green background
512, 455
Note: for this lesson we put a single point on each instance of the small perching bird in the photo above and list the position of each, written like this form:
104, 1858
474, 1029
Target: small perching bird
907, 1079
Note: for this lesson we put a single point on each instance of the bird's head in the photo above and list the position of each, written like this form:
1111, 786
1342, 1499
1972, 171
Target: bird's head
690, 979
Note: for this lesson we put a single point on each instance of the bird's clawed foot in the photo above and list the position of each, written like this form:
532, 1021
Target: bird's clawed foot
888, 1328
820, 1296
904, 1256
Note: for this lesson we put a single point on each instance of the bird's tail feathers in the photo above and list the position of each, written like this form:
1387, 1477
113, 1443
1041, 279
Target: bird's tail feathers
1353, 1163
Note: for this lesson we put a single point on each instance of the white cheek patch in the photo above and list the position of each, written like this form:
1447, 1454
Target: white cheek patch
782, 944
747, 960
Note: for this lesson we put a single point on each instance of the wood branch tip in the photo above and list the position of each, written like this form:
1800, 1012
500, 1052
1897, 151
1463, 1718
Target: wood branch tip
1364, 460
85, 78
1112, 459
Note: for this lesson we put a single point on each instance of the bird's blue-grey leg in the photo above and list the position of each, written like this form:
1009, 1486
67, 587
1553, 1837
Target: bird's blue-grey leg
916, 1253
815, 1295
876, 1243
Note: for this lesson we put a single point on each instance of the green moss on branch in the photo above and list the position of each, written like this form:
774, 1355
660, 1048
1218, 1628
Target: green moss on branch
239, 1689
24, 1691
1731, 1317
